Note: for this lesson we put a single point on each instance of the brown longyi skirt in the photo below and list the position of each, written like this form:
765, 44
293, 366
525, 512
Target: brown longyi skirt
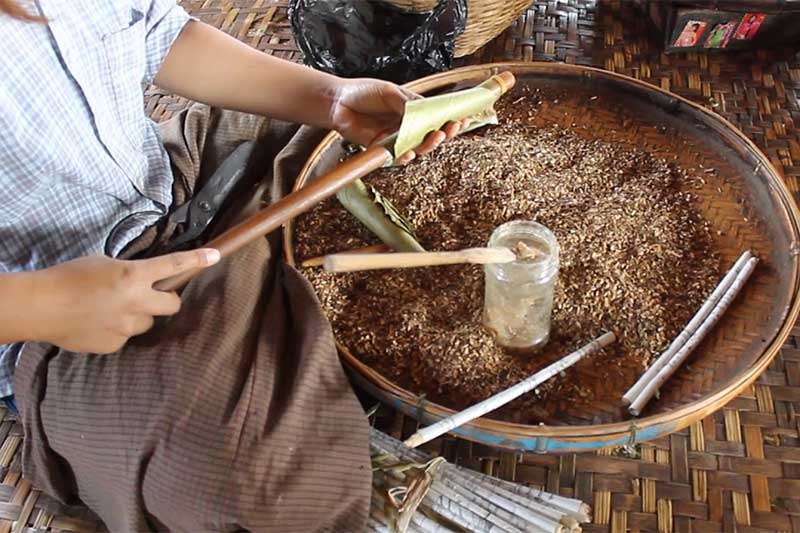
235, 414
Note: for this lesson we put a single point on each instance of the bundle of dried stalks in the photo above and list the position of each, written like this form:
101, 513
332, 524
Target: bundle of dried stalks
414, 492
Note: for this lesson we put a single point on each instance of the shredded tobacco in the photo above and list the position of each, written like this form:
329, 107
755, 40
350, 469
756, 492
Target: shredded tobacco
636, 258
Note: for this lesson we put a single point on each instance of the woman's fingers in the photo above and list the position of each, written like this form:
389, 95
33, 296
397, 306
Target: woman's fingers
162, 267
406, 158
451, 129
161, 303
432, 140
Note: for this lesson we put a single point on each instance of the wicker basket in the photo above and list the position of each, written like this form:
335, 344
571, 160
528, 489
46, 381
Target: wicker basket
747, 201
486, 19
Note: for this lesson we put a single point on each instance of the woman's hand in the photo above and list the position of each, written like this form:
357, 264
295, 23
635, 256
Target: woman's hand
95, 304
363, 110
207, 65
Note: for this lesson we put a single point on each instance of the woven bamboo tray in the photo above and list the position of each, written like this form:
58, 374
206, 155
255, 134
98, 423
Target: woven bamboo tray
747, 203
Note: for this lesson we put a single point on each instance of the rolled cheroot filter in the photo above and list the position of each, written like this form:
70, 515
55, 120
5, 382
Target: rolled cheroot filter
353, 262
691, 327
700, 328
501, 398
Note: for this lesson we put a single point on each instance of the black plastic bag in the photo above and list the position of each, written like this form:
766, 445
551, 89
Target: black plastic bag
354, 38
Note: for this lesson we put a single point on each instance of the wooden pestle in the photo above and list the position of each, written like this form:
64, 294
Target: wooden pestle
352, 262
301, 200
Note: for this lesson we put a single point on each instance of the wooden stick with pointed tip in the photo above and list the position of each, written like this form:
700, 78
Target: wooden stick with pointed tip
352, 262
289, 206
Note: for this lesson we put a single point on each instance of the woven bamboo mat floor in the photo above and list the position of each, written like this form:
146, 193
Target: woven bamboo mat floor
737, 470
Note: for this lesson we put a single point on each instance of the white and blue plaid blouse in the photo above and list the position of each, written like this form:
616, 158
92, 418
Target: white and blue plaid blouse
82, 168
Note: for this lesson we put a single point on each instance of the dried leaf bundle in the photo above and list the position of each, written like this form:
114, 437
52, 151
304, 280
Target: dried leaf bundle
453, 498
379, 216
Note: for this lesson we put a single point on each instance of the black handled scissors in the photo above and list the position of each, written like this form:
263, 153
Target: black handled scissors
200, 210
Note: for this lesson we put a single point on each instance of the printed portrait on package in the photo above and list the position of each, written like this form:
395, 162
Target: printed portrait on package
720, 34
748, 27
690, 36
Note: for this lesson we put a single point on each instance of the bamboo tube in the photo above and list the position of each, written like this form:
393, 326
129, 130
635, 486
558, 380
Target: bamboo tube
713, 317
371, 249
498, 400
687, 332
353, 262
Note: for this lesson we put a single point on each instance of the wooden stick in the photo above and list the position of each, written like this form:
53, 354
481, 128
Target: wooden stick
691, 327
352, 262
664, 374
371, 249
501, 398
288, 207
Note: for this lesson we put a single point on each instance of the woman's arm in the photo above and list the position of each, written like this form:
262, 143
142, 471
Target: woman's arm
91, 304
207, 65
18, 311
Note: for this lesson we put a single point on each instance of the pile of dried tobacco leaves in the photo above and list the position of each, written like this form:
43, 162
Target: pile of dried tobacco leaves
636, 259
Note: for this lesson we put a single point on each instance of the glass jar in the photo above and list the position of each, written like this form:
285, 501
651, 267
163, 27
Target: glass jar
519, 295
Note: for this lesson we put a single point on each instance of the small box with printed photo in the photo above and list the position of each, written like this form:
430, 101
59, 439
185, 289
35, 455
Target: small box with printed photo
723, 25
749, 26
691, 34
720, 34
